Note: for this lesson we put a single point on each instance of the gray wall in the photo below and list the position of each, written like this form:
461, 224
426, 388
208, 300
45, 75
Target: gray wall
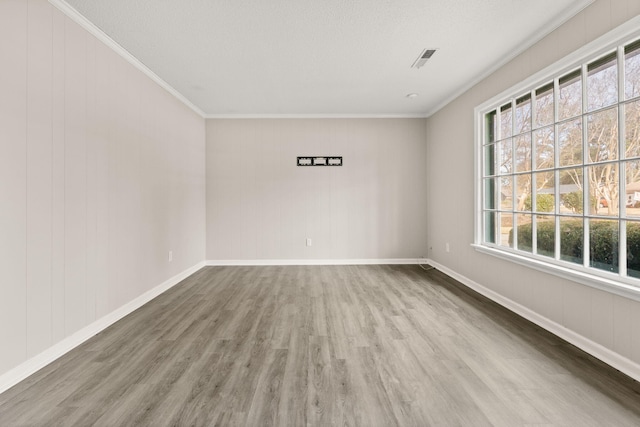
260, 205
606, 319
101, 174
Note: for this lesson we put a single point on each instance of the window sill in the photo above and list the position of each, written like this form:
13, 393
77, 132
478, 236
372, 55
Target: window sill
602, 283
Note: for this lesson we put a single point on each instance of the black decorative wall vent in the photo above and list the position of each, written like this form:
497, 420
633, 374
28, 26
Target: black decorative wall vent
320, 161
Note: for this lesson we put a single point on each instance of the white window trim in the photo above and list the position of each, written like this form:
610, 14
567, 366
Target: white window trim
613, 283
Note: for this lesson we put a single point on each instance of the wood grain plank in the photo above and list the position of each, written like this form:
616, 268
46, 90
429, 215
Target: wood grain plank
316, 346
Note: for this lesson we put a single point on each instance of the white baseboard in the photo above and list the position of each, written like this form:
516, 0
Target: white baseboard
255, 262
22, 371
29, 367
598, 351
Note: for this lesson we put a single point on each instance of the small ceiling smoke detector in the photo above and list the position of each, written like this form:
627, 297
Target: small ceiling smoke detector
424, 56
412, 95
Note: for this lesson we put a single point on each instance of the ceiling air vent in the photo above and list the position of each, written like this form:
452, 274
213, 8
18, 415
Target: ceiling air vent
423, 58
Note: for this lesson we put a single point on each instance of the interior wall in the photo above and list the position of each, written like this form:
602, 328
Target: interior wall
260, 205
604, 318
101, 174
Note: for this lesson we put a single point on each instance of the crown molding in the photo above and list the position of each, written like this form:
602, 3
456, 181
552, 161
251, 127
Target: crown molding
545, 31
77, 17
89, 26
316, 116
588, 52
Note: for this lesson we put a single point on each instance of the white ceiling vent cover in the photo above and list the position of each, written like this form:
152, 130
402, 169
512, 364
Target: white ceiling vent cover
423, 58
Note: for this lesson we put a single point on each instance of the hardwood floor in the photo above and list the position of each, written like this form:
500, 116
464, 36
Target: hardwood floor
323, 345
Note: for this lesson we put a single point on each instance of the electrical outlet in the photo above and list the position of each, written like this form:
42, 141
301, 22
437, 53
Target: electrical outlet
309, 242
170, 256
446, 247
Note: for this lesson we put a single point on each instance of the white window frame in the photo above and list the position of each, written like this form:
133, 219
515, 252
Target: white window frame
610, 282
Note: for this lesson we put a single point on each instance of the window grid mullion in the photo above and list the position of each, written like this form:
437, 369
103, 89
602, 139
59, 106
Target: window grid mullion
498, 125
499, 137
534, 183
593, 180
622, 170
534, 210
514, 207
556, 165
585, 177
556, 218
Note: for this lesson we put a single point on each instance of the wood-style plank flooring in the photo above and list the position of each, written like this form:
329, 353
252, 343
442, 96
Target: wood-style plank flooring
321, 346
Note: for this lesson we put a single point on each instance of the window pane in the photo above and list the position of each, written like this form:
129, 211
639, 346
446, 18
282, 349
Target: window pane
603, 189
602, 134
523, 152
553, 163
570, 96
506, 122
489, 193
545, 192
571, 239
632, 129
632, 70
603, 244
602, 82
506, 227
489, 160
524, 241
632, 197
505, 156
633, 249
523, 191
546, 235
490, 227
544, 106
506, 193
545, 146
570, 189
570, 143
490, 127
523, 114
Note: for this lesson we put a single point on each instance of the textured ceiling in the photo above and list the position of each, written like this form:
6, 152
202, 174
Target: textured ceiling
322, 57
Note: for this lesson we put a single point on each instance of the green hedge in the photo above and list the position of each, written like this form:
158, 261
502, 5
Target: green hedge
603, 245
633, 249
546, 238
544, 202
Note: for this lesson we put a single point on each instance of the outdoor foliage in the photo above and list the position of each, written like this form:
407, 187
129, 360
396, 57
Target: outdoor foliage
573, 201
603, 245
633, 249
545, 202
571, 240
577, 137
584, 137
546, 237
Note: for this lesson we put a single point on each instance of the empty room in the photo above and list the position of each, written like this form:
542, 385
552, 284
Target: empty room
320, 213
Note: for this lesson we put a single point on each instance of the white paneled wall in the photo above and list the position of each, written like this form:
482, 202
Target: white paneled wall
101, 174
260, 205
13, 183
610, 321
